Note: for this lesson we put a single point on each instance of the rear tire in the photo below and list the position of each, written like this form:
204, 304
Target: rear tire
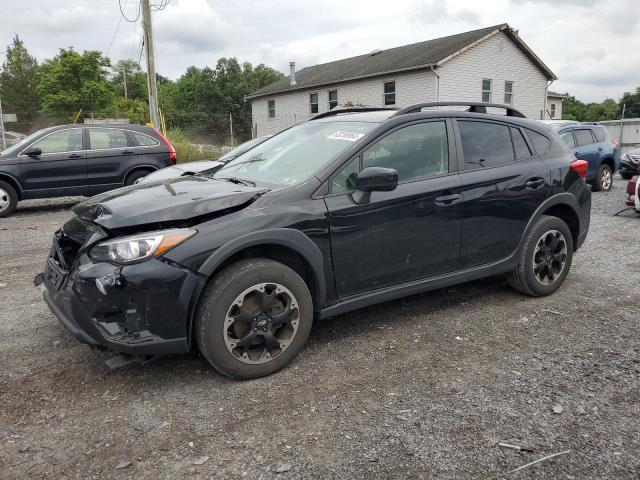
133, 177
237, 328
604, 179
8, 199
543, 265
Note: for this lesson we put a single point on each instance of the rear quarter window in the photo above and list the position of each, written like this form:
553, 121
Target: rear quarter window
142, 140
600, 134
539, 141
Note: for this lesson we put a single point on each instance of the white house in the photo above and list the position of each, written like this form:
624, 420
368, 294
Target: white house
491, 64
554, 105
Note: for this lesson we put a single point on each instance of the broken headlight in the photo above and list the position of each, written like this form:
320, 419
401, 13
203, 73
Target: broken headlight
140, 247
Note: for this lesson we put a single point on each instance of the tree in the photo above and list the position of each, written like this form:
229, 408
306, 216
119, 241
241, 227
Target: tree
136, 80
18, 80
200, 100
607, 110
632, 104
572, 109
71, 81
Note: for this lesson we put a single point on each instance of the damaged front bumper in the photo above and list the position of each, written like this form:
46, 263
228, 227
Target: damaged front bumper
139, 309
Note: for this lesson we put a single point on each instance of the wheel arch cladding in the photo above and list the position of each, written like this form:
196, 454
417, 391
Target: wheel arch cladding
609, 161
565, 207
287, 246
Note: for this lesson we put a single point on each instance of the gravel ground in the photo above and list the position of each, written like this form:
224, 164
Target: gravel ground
424, 387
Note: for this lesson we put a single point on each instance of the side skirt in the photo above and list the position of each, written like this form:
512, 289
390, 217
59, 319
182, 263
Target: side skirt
418, 286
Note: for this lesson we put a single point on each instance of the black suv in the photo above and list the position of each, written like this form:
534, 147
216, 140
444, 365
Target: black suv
346, 210
79, 160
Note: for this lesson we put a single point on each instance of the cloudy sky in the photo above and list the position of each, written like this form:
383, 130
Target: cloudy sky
592, 46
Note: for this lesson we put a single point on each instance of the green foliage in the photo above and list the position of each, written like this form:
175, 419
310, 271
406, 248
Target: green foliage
187, 151
136, 80
632, 102
137, 111
18, 79
573, 109
202, 99
73, 80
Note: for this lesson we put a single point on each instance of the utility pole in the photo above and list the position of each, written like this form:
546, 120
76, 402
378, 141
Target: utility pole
124, 78
151, 63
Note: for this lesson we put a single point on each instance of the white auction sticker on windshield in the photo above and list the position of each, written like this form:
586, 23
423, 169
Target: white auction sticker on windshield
348, 136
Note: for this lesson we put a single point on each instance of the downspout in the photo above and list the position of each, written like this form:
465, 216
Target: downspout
546, 92
433, 69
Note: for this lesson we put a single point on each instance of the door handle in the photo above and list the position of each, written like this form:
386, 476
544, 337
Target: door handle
535, 183
127, 152
75, 155
445, 200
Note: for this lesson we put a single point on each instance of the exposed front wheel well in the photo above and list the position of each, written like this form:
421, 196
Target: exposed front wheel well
284, 255
569, 216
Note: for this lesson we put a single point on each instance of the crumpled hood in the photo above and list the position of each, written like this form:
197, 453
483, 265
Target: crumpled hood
176, 199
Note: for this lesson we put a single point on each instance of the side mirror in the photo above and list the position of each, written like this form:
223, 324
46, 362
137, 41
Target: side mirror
34, 152
374, 179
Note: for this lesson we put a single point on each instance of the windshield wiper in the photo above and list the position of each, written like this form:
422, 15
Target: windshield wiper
238, 181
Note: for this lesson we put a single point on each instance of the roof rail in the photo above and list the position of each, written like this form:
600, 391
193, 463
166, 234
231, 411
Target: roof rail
337, 110
476, 107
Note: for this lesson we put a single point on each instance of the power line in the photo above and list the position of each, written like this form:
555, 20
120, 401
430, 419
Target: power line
115, 33
124, 16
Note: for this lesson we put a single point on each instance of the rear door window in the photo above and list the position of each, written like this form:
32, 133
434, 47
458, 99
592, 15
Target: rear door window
584, 137
567, 137
105, 138
485, 144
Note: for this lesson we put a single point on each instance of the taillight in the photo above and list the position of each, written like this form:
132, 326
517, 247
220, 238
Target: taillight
580, 167
614, 142
172, 151
631, 186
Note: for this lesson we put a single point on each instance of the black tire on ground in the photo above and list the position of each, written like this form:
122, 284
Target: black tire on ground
8, 199
219, 297
603, 180
132, 177
523, 279
626, 176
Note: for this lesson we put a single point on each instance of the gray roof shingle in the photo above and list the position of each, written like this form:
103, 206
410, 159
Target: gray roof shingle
404, 58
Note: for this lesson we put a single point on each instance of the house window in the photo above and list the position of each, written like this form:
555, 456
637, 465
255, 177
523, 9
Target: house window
486, 90
553, 110
508, 92
389, 93
313, 103
333, 99
271, 106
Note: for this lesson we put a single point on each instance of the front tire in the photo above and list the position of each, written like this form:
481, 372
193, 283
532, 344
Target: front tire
8, 199
254, 318
604, 179
545, 258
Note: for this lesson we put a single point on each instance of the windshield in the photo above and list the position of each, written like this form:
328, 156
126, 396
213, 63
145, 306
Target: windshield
240, 149
22, 143
293, 155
